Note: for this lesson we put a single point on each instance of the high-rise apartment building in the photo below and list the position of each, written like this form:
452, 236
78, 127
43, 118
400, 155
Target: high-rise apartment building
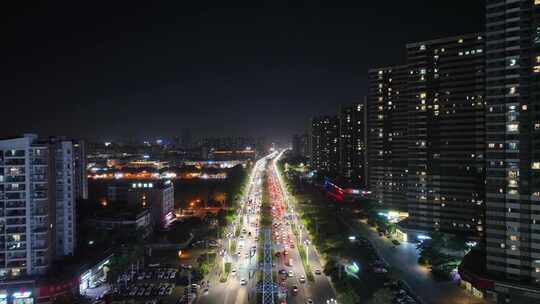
300, 145
325, 144
81, 177
512, 158
62, 174
352, 160
445, 97
387, 117
37, 197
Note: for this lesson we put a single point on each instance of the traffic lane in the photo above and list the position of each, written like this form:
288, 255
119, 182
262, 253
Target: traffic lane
229, 292
297, 268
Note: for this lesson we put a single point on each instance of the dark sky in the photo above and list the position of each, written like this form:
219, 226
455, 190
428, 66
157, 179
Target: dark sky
136, 69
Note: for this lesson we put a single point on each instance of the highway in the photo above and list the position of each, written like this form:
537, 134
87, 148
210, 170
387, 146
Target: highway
241, 284
320, 290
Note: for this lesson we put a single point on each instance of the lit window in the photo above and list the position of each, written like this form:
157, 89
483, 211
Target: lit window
512, 90
422, 47
512, 62
514, 238
536, 165
512, 127
524, 107
423, 95
460, 40
536, 2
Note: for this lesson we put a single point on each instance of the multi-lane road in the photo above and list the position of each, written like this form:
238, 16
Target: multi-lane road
241, 286
319, 290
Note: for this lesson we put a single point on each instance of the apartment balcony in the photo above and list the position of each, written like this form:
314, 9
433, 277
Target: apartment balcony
14, 162
15, 179
15, 205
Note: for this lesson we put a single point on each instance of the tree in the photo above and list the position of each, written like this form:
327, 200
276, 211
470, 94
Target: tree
349, 297
457, 243
382, 296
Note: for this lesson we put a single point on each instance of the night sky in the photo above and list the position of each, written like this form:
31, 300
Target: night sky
145, 69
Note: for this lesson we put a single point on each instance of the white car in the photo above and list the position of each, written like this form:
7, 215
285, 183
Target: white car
243, 282
233, 272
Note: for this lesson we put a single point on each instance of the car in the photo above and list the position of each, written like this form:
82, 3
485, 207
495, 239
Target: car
239, 253
205, 291
309, 301
291, 245
318, 271
285, 252
294, 289
233, 272
302, 279
291, 273
278, 254
396, 242
243, 282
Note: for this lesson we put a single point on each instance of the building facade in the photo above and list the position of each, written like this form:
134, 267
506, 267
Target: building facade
352, 143
445, 97
387, 118
157, 196
512, 159
325, 144
38, 204
301, 145
81, 176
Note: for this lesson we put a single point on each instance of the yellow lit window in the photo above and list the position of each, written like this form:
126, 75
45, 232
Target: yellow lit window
512, 127
536, 2
461, 39
423, 95
514, 238
536, 165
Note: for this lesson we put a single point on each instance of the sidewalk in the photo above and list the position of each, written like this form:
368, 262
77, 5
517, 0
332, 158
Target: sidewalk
404, 260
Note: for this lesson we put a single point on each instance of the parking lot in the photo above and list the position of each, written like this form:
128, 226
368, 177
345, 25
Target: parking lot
163, 285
